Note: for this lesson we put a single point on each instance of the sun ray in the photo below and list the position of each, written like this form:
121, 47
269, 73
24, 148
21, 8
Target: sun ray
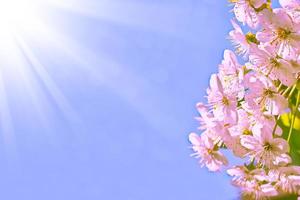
7, 128
102, 69
51, 86
150, 16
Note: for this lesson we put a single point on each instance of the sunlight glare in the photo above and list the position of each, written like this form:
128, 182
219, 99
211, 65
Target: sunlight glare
14, 13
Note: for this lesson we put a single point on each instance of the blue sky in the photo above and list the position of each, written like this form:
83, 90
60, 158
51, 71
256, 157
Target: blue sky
102, 110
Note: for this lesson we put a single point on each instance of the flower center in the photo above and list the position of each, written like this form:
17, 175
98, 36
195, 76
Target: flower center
274, 62
268, 93
283, 33
268, 147
225, 101
251, 38
247, 132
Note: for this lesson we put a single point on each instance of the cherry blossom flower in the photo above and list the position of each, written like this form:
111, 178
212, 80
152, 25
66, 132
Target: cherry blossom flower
264, 148
280, 31
230, 65
242, 42
266, 60
231, 74
289, 4
267, 120
286, 179
246, 11
242, 176
246, 103
224, 104
292, 8
252, 182
206, 118
206, 150
264, 96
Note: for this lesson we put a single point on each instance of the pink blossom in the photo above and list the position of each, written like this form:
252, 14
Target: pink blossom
231, 75
224, 104
266, 60
247, 102
205, 150
242, 176
268, 121
287, 179
244, 11
252, 182
263, 96
206, 118
243, 125
240, 41
258, 191
230, 65
280, 31
289, 4
263, 147
292, 8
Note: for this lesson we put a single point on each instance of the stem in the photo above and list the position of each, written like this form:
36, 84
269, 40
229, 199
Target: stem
269, 72
269, 4
276, 125
292, 91
294, 116
287, 90
279, 87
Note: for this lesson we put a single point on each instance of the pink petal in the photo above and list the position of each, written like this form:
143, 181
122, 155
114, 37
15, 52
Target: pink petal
195, 139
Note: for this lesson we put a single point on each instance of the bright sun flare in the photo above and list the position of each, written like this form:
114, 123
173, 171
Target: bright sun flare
16, 12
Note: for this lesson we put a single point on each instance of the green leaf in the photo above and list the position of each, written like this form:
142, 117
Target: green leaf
285, 124
290, 197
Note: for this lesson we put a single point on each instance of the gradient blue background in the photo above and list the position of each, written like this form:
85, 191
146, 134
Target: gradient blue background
147, 63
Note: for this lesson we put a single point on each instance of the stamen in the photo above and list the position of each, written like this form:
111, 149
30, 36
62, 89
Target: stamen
225, 101
251, 38
283, 33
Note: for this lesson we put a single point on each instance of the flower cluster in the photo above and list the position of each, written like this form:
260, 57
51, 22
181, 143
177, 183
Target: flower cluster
247, 102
